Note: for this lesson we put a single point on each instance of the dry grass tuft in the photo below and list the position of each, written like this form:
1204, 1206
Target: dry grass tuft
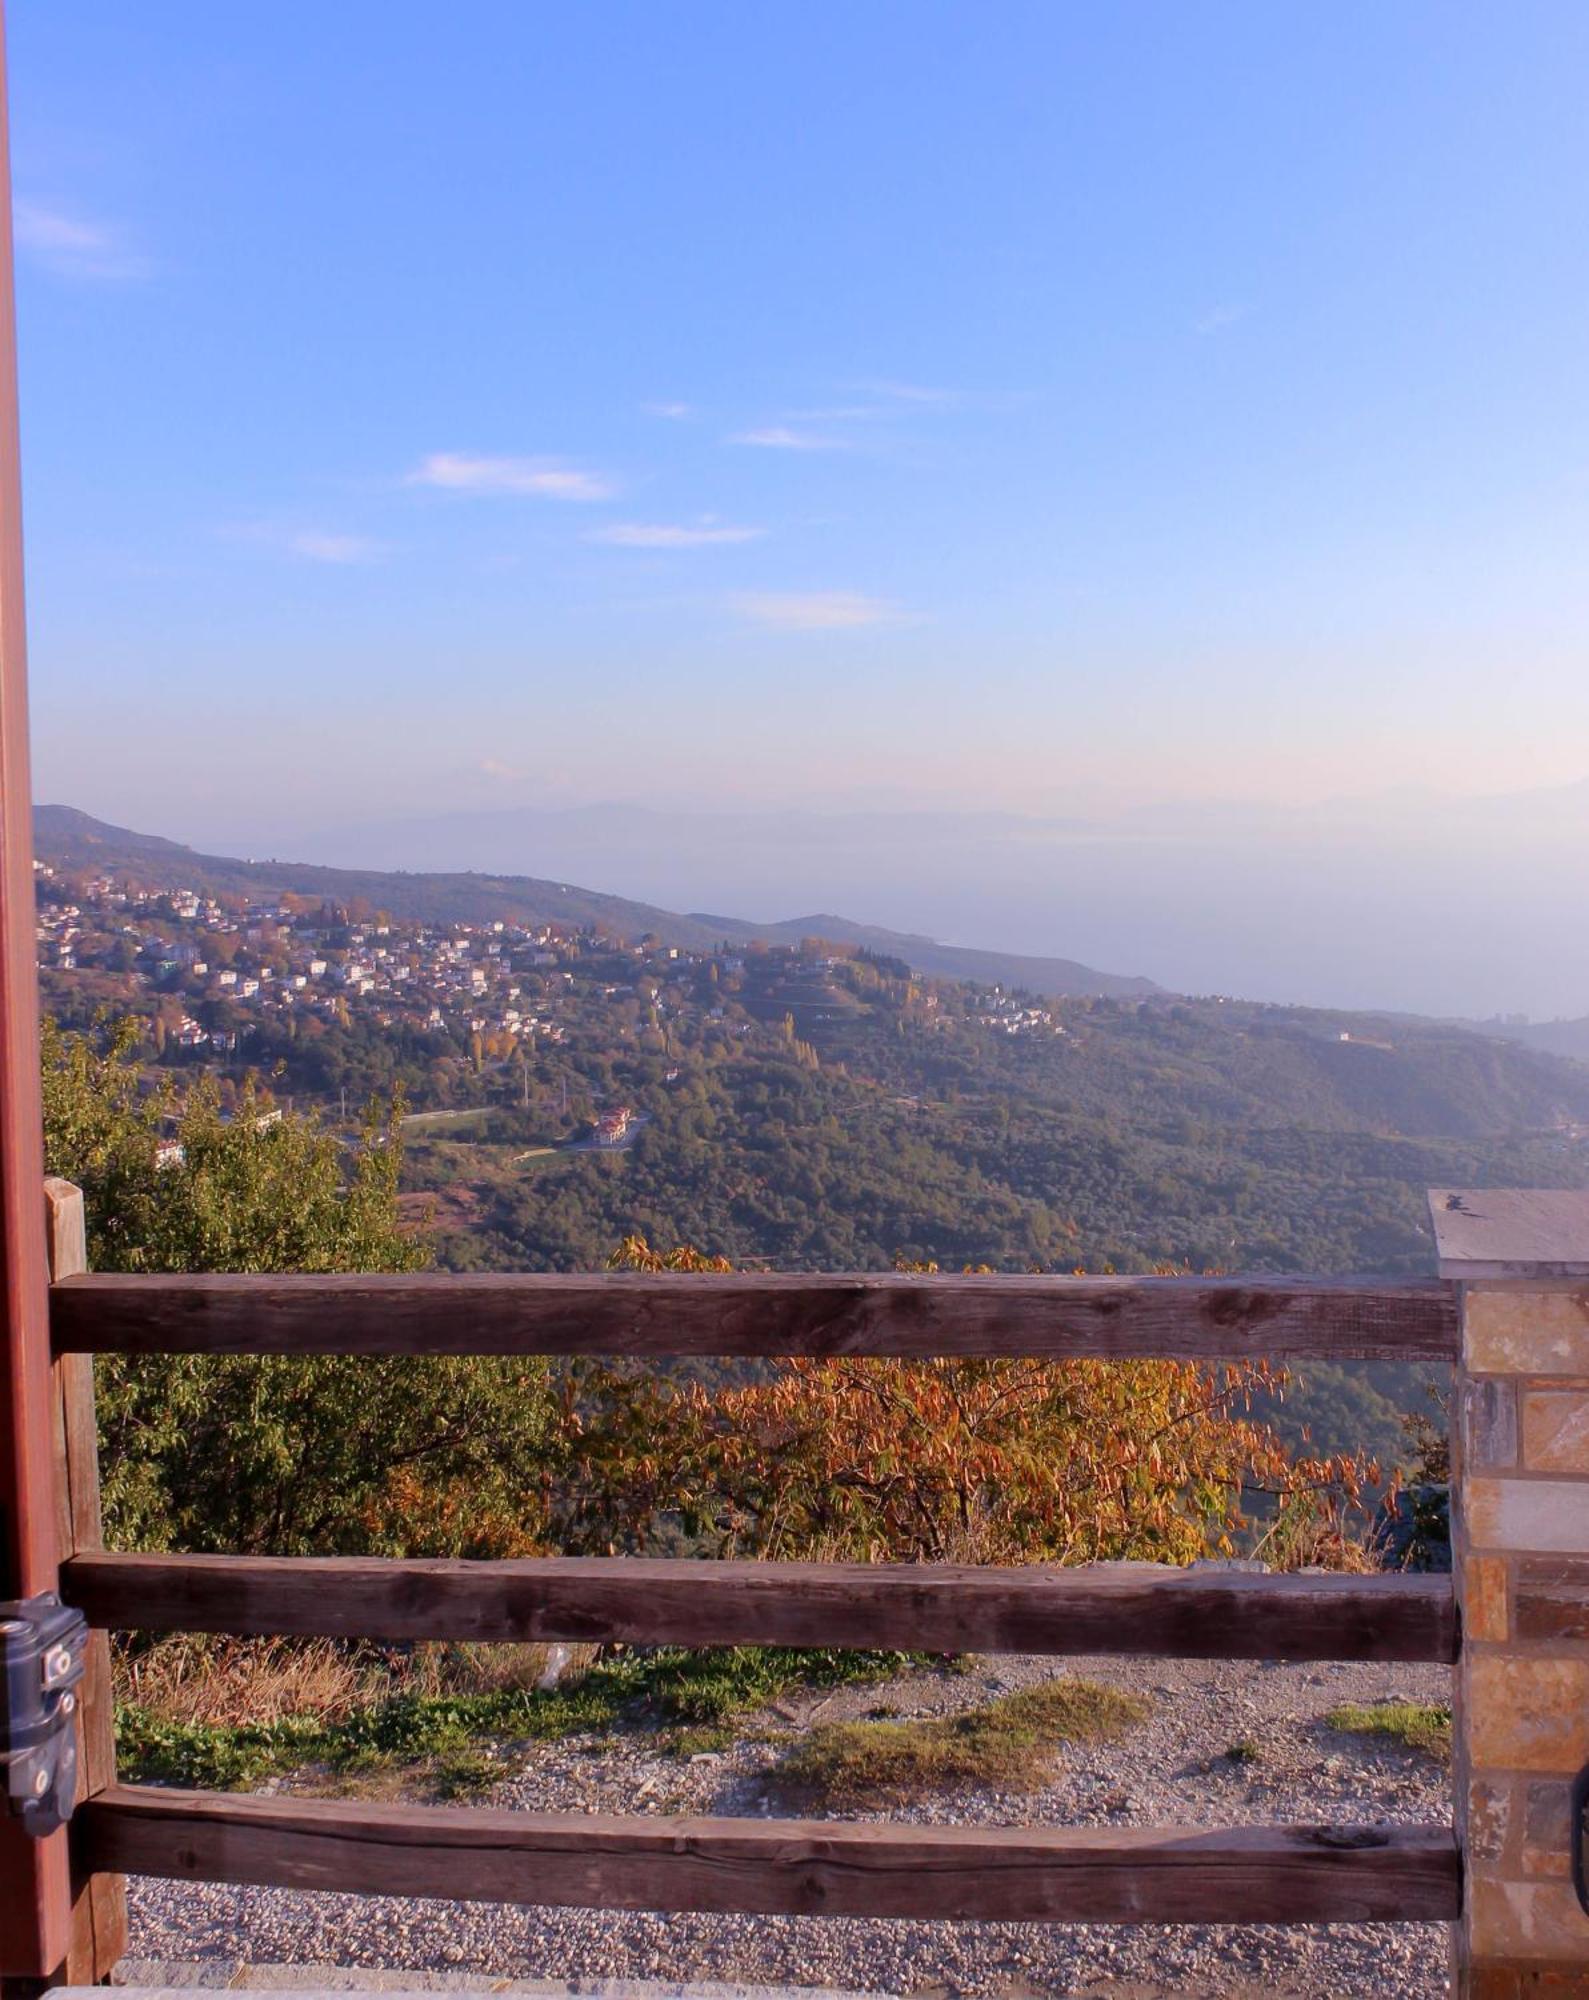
1011, 1744
188, 1679
1310, 1532
481, 1667
241, 1683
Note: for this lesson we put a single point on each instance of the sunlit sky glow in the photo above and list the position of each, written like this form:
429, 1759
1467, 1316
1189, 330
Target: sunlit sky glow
1055, 408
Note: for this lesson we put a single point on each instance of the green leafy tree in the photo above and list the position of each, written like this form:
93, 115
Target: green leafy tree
399, 1455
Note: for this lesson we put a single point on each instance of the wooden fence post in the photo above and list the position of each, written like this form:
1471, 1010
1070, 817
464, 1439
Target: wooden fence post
1520, 1542
34, 1888
99, 1901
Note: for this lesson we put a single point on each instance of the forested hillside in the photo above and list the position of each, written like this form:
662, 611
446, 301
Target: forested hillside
1136, 1137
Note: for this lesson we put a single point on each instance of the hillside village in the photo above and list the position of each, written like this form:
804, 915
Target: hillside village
226, 977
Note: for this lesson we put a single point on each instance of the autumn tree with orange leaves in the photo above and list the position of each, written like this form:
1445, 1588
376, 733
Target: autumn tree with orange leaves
903, 1460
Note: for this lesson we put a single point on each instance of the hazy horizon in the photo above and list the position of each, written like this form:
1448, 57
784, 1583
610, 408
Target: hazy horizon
1360, 904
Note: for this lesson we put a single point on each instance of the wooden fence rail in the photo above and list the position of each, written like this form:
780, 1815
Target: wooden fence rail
792, 1867
1127, 1608
755, 1314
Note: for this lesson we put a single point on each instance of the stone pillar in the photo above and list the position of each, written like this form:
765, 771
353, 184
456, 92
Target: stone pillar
1520, 1541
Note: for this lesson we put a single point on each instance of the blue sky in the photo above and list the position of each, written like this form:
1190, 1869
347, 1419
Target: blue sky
1057, 407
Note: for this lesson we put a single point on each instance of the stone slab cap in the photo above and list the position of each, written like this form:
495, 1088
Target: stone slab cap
1511, 1232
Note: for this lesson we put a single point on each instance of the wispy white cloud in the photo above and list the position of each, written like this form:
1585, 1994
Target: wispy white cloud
672, 535
677, 412
822, 427
816, 610
910, 392
493, 767
72, 246
784, 437
1218, 318
315, 545
838, 413
318, 545
537, 478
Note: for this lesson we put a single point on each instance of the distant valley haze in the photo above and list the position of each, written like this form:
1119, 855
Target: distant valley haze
1412, 901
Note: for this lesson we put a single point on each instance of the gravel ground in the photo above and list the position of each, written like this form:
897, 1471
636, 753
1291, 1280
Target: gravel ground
1172, 1768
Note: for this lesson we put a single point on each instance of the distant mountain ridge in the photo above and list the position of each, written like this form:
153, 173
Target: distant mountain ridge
66, 837
1557, 1038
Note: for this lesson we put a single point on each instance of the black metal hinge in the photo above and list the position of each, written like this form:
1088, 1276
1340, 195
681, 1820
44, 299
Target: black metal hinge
1580, 1810
43, 1648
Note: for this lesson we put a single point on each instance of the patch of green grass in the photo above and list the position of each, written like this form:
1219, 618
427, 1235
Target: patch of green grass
715, 1686
710, 1741
463, 1772
441, 1736
1409, 1723
1011, 1744
1244, 1751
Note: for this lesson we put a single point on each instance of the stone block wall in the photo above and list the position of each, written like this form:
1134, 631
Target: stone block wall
1521, 1542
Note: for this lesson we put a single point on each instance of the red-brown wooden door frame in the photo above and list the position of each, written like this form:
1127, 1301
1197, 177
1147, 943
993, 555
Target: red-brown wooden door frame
35, 1885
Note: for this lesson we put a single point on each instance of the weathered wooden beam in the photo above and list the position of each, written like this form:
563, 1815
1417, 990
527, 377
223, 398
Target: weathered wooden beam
99, 1901
1275, 1874
1135, 1608
611, 1313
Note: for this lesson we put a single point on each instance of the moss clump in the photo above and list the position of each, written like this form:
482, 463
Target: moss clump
1414, 1725
1011, 1744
